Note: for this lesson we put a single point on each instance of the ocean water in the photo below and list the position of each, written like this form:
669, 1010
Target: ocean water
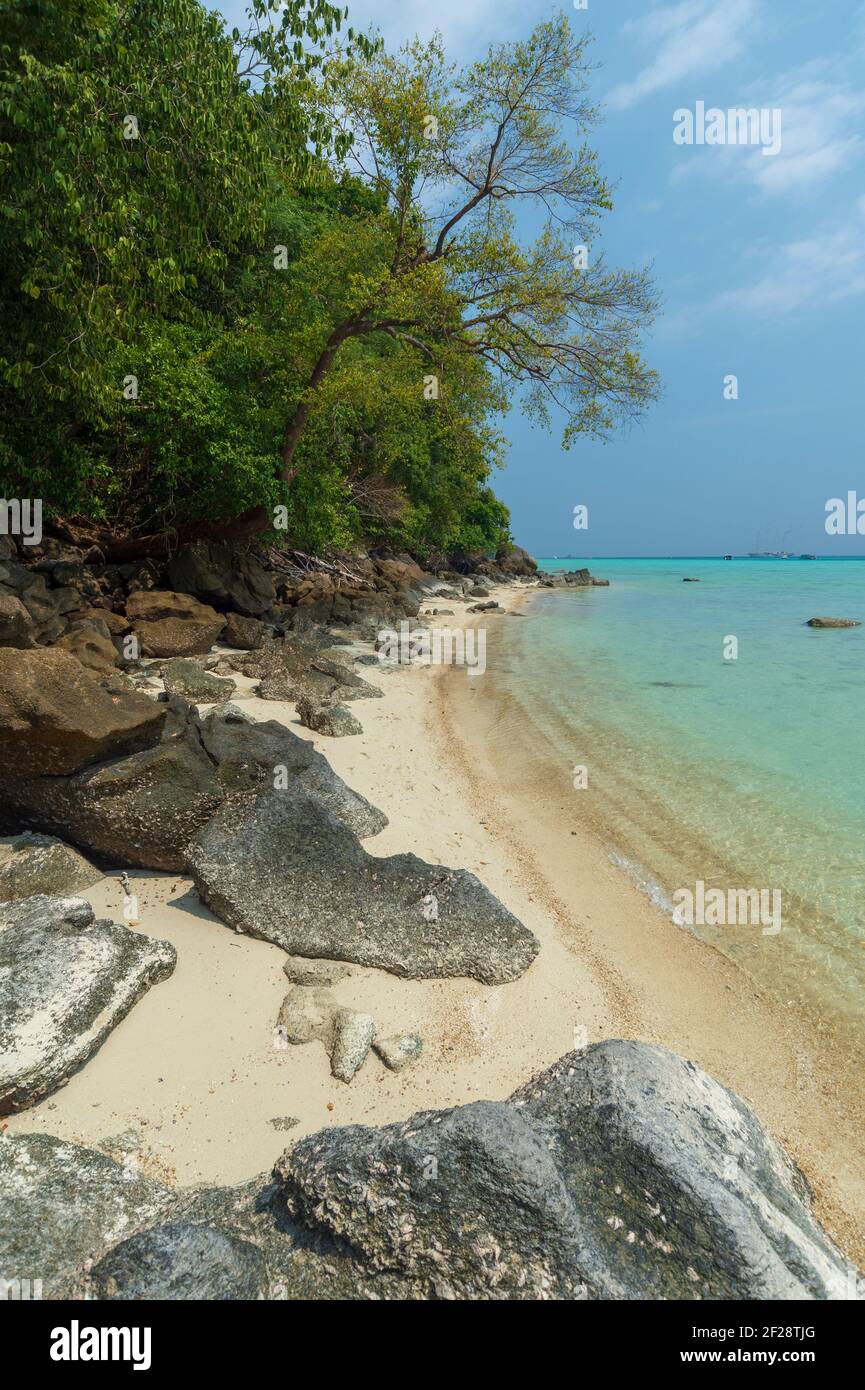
745, 773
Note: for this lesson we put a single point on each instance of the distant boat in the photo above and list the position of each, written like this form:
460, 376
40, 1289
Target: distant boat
807, 557
769, 555
728, 557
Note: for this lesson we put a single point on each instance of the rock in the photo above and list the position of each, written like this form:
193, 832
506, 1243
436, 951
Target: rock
222, 575
181, 1262
833, 622
66, 981
191, 682
478, 591
684, 581
16, 625
622, 1172
64, 1205
170, 624
249, 756
513, 560
90, 643
602, 583
353, 1034
55, 719
315, 972
399, 1051
491, 607
31, 864
307, 1014
350, 686
139, 810
334, 720
285, 869
245, 633
235, 714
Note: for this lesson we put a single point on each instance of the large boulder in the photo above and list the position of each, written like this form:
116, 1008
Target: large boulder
32, 864
66, 981
285, 869
64, 1205
247, 634
833, 622
190, 681
90, 643
222, 576
16, 625
169, 624
333, 720
137, 810
55, 719
622, 1172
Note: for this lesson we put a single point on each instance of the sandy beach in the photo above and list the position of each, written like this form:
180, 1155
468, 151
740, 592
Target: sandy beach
194, 1087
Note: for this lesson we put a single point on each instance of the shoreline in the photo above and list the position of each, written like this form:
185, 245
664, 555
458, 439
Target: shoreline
189, 1086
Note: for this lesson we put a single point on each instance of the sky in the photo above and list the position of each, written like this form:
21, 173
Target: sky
759, 261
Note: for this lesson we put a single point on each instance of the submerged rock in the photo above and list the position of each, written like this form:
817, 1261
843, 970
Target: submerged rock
31, 864
285, 869
833, 622
66, 981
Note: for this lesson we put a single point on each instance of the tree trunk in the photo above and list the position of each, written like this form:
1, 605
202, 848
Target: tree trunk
297, 424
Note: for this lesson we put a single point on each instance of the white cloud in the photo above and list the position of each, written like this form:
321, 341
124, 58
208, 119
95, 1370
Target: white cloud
468, 26
693, 37
825, 268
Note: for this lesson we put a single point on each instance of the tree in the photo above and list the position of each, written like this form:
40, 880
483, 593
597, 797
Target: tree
454, 279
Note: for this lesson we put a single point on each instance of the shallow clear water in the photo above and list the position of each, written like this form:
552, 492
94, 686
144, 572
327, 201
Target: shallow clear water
745, 773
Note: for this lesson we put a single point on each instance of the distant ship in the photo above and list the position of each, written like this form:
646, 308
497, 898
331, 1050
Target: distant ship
769, 555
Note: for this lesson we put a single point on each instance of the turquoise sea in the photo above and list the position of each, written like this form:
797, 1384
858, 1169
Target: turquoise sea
745, 773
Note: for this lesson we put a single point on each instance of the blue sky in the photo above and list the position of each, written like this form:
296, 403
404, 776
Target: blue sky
760, 262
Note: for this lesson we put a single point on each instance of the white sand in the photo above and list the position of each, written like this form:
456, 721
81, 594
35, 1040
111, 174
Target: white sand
194, 1071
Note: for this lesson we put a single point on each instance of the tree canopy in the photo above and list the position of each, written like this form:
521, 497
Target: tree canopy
279, 266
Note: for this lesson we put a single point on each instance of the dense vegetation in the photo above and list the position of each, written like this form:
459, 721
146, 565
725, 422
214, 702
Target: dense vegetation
281, 269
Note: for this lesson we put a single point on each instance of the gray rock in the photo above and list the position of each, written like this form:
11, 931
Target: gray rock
66, 981
833, 622
285, 869
622, 1172
250, 756
16, 625
352, 1038
184, 1262
307, 1014
399, 1051
315, 972
223, 575
90, 643
191, 682
333, 720
173, 624
236, 714
31, 864
64, 1205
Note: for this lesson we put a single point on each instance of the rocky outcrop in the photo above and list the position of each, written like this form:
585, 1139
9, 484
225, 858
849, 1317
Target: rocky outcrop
247, 634
621, 1172
66, 981
169, 624
33, 864
54, 719
285, 869
90, 643
224, 577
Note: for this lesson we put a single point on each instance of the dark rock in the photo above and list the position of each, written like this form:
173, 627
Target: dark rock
90, 643
251, 757
222, 576
16, 625
285, 869
245, 633
182, 1262
833, 622
333, 720
191, 682
32, 864
478, 591
66, 981
55, 719
491, 607
170, 624
622, 1172
513, 560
